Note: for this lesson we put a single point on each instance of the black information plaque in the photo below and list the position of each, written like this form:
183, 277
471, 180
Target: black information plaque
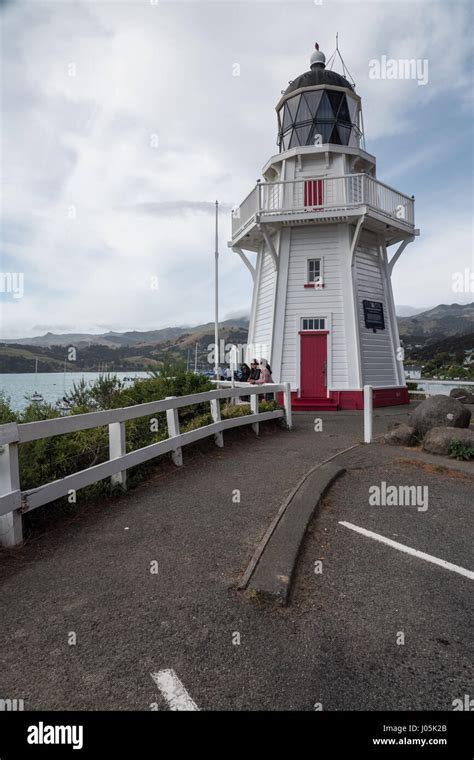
373, 315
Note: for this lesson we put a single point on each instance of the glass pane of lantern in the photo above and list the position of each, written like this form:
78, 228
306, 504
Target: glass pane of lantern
344, 134
325, 111
354, 140
335, 100
324, 129
286, 140
343, 113
335, 139
293, 106
304, 114
352, 104
313, 98
303, 133
294, 139
287, 120
280, 118
315, 137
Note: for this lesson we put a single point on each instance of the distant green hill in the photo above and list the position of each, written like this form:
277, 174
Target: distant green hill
455, 346
138, 351
435, 324
130, 338
423, 335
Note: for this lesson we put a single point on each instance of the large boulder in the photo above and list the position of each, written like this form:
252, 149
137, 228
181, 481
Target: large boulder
401, 435
464, 396
439, 411
439, 439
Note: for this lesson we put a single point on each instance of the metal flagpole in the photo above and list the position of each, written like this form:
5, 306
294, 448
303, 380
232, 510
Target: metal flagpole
216, 289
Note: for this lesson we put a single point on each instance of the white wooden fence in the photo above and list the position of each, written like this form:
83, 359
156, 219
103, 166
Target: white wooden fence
14, 502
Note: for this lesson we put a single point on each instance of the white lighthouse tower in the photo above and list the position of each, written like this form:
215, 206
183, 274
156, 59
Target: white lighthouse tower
321, 225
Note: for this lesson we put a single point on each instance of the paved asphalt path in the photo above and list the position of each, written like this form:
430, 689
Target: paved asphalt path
336, 644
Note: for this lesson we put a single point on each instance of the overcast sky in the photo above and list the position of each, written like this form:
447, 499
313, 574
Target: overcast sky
122, 122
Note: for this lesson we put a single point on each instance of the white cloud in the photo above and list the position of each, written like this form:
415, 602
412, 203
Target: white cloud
424, 272
86, 141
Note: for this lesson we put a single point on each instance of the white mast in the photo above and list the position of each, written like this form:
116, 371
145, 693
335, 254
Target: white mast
216, 288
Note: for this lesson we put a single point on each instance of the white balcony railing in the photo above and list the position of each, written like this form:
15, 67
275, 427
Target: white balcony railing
316, 194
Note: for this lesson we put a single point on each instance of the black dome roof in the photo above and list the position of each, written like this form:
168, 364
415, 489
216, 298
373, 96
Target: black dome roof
318, 75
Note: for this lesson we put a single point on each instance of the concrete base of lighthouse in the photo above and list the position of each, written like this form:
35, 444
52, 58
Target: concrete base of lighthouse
349, 399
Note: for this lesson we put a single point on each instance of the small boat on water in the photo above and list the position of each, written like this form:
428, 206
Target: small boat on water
63, 406
35, 396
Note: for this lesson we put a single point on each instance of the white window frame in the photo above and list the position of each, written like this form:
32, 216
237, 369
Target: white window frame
313, 328
319, 281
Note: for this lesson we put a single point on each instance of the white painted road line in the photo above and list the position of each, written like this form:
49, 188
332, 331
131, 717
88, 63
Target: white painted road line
409, 550
173, 690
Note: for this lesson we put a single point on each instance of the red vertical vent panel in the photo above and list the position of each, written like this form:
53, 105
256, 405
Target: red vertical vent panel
314, 192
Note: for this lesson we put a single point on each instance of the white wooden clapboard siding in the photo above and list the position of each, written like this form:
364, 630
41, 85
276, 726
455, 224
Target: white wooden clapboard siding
322, 241
316, 165
262, 332
313, 166
378, 367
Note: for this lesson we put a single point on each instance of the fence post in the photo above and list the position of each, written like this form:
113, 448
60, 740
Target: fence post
117, 448
11, 531
287, 405
254, 410
173, 430
216, 416
368, 407
233, 364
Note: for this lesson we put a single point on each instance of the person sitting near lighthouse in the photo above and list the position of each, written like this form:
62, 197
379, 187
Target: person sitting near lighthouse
254, 371
244, 372
265, 375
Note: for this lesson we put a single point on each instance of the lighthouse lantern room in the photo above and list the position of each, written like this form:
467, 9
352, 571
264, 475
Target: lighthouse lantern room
321, 225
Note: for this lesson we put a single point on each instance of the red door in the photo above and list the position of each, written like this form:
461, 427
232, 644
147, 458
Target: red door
313, 364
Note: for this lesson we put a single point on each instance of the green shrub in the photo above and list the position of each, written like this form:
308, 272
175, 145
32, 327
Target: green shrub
144, 431
269, 406
461, 450
234, 410
197, 422
94, 396
54, 458
6, 412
